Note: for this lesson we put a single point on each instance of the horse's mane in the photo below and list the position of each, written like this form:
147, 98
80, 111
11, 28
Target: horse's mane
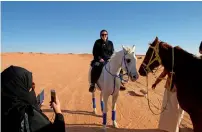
185, 53
179, 49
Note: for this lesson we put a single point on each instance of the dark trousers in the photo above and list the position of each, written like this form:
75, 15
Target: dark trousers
96, 72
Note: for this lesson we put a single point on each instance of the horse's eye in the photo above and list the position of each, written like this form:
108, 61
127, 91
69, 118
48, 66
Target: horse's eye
128, 60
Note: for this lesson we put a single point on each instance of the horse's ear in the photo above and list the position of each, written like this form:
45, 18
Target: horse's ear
133, 48
124, 48
156, 40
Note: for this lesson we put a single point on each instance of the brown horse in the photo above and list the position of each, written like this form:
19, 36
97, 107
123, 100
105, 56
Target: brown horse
187, 76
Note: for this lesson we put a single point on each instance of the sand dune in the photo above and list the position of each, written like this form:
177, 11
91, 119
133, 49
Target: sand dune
68, 75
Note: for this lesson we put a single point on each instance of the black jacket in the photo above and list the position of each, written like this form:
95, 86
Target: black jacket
57, 126
102, 49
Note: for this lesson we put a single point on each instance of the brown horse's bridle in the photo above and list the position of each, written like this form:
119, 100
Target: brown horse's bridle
157, 57
147, 70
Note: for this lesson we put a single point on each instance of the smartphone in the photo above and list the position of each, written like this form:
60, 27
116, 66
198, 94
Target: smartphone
53, 98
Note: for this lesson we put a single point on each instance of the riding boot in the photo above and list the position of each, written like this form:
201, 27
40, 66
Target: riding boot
95, 74
92, 87
93, 79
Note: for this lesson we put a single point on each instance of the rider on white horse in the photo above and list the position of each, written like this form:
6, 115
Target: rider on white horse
102, 51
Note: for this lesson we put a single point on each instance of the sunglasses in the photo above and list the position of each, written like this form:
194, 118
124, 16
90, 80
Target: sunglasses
104, 34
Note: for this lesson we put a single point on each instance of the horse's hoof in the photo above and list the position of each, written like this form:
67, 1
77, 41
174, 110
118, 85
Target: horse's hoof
104, 128
115, 125
94, 111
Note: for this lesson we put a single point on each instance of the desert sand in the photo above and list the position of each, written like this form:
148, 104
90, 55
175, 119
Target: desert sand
68, 75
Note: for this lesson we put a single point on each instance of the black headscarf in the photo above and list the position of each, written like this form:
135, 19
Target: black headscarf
16, 98
200, 47
101, 34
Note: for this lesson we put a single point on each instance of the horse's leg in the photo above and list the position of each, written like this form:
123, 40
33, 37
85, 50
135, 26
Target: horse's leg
114, 99
196, 118
105, 97
101, 102
94, 103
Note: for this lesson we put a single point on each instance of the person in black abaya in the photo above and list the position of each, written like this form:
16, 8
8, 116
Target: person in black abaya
20, 110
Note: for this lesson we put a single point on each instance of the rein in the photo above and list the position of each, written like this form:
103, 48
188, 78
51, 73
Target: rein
147, 70
118, 76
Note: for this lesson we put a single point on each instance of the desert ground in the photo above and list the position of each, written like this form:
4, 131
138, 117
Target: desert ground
68, 75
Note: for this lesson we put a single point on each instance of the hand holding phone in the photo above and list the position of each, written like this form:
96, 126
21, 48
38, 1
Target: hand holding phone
55, 103
53, 96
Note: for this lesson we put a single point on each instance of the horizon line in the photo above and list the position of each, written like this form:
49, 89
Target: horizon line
55, 53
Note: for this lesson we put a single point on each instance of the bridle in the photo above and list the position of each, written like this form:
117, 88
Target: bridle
118, 76
157, 57
147, 69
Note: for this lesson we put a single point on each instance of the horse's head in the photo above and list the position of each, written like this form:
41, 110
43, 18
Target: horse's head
129, 62
152, 58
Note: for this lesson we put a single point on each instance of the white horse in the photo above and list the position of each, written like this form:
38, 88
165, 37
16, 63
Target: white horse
109, 81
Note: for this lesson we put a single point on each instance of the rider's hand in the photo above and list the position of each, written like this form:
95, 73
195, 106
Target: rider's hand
56, 105
33, 85
101, 60
154, 86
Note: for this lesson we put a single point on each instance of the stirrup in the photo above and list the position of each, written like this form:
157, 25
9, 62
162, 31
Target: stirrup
92, 86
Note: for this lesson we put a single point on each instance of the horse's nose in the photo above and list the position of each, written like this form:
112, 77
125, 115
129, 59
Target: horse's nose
134, 76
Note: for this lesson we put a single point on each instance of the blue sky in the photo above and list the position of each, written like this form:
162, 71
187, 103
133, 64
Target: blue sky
63, 27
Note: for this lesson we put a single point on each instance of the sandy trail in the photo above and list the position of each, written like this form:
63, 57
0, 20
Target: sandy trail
68, 75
